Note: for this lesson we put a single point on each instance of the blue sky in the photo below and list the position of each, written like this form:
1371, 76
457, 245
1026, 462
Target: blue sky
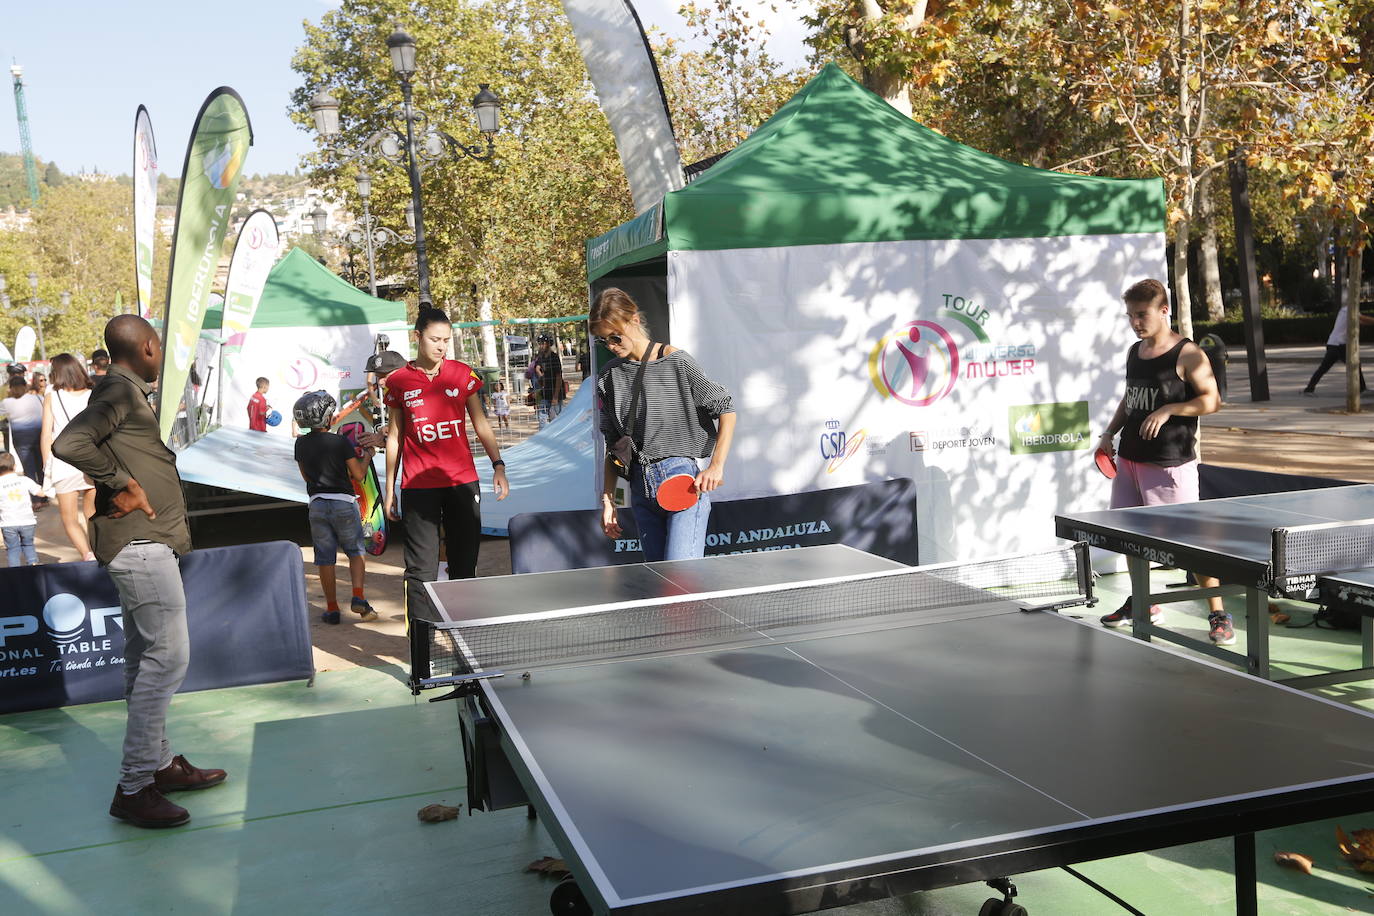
89, 64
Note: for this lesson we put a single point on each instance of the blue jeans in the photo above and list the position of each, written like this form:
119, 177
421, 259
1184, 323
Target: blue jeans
157, 650
19, 545
547, 411
335, 525
667, 535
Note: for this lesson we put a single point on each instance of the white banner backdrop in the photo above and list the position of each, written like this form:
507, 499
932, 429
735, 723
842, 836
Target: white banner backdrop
297, 360
145, 208
984, 370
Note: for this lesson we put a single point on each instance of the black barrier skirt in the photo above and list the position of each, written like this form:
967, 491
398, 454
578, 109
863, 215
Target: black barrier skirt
62, 635
878, 518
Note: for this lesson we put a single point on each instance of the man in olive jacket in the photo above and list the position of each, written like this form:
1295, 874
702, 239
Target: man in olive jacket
137, 533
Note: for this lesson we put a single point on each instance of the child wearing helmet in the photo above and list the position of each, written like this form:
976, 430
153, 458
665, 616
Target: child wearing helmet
329, 465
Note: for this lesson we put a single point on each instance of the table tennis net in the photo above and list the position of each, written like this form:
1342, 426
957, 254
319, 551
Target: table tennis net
1306, 550
760, 615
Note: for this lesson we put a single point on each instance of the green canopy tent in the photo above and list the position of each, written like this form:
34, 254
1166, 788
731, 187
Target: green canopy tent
311, 330
886, 302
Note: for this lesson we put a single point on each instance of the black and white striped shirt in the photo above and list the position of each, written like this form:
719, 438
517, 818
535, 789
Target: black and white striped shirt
677, 411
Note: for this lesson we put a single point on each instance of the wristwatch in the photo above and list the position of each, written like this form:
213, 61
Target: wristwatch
498, 463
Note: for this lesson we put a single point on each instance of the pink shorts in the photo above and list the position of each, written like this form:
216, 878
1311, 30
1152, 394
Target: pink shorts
1140, 484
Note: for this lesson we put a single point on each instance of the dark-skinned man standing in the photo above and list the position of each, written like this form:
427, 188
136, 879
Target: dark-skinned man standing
138, 531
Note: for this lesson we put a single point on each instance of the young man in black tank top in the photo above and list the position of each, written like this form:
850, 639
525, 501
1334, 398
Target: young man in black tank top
1169, 384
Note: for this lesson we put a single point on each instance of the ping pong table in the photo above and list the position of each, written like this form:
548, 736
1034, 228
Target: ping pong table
1311, 545
790, 731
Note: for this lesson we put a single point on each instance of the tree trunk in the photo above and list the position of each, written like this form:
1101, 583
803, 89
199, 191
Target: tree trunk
1211, 273
892, 87
488, 333
1182, 298
1352, 325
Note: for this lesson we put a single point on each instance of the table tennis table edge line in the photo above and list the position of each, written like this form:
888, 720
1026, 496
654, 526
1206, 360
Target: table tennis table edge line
550, 797
1183, 653
554, 613
984, 841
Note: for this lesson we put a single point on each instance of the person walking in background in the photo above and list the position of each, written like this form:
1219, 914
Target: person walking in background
38, 384
427, 441
138, 532
24, 410
548, 370
17, 522
683, 424
100, 363
71, 391
258, 407
1169, 384
329, 465
1335, 351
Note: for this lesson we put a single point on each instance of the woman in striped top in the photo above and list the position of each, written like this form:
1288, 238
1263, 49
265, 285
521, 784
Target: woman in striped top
684, 425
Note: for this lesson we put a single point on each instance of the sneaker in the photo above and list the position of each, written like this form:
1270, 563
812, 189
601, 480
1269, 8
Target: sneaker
363, 609
1121, 617
330, 617
1220, 631
1308, 393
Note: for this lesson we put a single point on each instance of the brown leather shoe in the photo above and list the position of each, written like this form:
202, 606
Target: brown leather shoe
147, 808
180, 776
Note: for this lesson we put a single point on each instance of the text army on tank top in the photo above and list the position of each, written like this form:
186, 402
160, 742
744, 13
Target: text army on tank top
1150, 384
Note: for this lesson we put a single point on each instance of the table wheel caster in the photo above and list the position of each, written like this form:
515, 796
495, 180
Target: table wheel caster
995, 907
567, 900
1006, 906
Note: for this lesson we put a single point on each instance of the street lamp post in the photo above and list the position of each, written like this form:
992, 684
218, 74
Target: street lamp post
35, 307
366, 233
433, 144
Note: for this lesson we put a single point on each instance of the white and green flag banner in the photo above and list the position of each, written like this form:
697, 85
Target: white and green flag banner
209, 179
256, 251
145, 208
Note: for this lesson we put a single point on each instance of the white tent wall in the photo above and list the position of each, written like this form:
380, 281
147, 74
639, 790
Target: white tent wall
297, 360
794, 331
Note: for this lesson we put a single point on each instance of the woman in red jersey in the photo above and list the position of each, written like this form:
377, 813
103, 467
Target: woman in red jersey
430, 399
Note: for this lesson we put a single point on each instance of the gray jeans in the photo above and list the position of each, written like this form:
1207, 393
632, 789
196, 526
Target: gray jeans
156, 652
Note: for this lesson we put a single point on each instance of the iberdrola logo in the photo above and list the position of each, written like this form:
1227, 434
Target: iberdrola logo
222, 165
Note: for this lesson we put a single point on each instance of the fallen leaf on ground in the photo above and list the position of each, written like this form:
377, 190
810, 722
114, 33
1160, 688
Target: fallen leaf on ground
1294, 860
433, 814
1358, 848
549, 867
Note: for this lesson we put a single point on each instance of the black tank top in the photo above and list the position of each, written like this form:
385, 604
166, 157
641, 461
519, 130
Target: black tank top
1150, 384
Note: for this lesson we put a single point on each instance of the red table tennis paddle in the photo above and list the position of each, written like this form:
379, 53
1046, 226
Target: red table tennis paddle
678, 492
1105, 463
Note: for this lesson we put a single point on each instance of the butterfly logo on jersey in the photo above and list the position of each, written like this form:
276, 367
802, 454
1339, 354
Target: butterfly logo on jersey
453, 392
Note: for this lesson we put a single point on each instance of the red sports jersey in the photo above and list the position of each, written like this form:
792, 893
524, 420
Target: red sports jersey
257, 412
434, 441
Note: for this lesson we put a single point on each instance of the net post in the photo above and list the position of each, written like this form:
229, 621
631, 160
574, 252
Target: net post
420, 632
1278, 558
1082, 559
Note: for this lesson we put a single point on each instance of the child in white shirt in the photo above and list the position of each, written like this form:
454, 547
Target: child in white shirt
17, 521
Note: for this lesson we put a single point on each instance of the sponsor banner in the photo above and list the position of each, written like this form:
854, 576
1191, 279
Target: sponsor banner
62, 632
622, 69
145, 209
255, 252
1037, 428
878, 360
24, 343
209, 179
878, 518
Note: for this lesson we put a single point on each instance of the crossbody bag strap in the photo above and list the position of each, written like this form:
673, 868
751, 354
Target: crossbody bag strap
636, 390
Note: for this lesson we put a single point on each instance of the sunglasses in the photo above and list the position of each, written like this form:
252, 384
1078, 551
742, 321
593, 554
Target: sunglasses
612, 340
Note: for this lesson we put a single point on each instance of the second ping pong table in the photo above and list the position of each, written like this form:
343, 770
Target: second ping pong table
790, 731
1311, 545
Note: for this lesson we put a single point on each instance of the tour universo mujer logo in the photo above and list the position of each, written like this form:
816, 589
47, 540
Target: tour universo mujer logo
916, 364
